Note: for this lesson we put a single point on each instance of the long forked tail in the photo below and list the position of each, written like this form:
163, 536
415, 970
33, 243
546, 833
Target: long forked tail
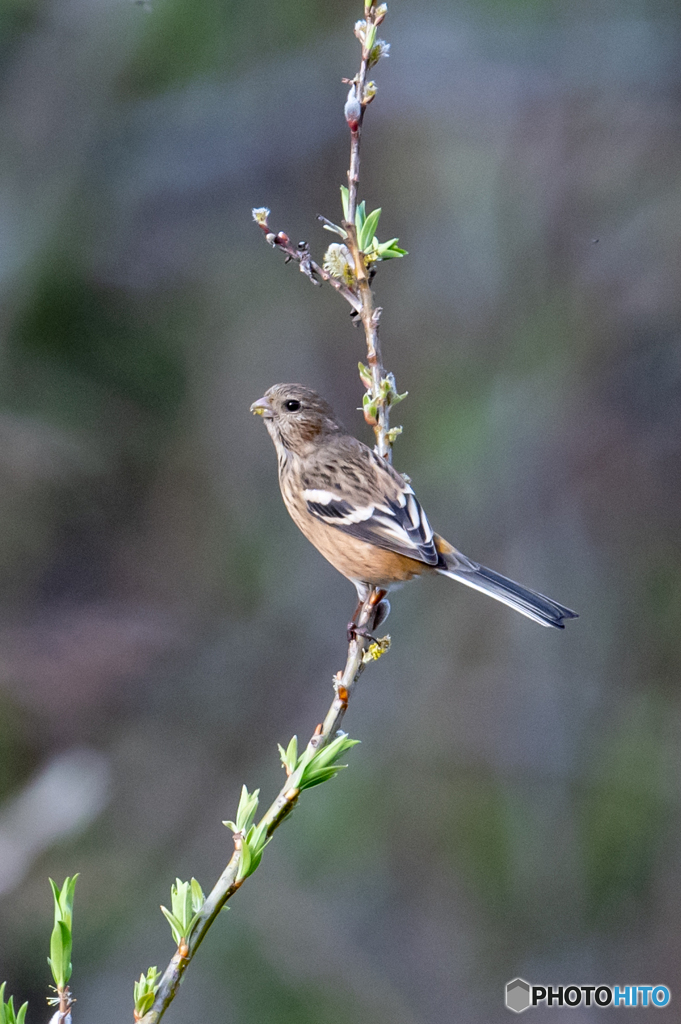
537, 607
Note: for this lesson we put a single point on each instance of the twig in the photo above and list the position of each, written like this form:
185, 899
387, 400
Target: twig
369, 313
359, 654
355, 283
301, 254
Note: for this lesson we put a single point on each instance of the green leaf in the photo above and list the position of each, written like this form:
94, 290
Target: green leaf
253, 846
244, 861
319, 775
289, 757
66, 899
181, 902
365, 375
144, 1003
370, 37
360, 216
60, 954
257, 857
345, 199
292, 751
333, 750
187, 900
369, 229
145, 991
192, 924
248, 805
63, 900
320, 761
390, 250
198, 898
369, 406
257, 838
175, 925
7, 1015
56, 894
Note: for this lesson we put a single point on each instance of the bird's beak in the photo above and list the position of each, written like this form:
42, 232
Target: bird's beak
263, 408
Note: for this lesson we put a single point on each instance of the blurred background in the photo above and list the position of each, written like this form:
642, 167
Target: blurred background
514, 806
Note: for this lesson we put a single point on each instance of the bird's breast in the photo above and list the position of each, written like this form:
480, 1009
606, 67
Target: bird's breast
354, 558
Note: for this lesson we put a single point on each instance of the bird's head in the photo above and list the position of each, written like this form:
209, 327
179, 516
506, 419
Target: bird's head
296, 417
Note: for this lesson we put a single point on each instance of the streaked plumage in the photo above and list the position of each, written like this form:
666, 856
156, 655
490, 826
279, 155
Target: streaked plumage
362, 515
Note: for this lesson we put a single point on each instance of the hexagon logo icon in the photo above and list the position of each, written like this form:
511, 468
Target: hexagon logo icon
517, 995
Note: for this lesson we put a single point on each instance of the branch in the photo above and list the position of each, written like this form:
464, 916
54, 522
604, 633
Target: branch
361, 650
351, 266
359, 97
301, 254
349, 269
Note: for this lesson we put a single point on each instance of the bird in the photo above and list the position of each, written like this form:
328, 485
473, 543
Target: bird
364, 517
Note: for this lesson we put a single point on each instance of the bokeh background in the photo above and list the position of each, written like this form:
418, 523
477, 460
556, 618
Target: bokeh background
514, 805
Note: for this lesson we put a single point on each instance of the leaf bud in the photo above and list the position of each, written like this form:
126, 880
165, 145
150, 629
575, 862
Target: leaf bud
370, 409
365, 376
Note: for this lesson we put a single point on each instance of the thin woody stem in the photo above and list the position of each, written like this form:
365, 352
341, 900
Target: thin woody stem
369, 313
359, 295
362, 301
301, 255
66, 1001
227, 884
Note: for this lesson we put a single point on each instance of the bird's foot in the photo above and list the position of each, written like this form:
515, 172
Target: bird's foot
355, 631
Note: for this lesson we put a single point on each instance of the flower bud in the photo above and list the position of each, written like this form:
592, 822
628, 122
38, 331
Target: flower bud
353, 109
339, 263
260, 215
370, 90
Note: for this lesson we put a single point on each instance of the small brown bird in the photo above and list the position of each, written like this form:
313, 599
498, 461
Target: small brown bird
362, 515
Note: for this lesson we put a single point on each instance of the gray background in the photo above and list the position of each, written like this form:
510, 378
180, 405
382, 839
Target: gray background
513, 808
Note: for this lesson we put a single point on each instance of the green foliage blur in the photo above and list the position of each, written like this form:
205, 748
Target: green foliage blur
513, 808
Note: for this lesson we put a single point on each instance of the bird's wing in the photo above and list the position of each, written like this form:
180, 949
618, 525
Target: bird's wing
370, 501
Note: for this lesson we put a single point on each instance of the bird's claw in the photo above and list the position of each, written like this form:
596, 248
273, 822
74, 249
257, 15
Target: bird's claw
355, 631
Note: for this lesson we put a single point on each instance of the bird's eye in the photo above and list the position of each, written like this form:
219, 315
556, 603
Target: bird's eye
293, 405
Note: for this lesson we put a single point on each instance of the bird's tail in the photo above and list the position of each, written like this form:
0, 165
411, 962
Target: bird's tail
537, 607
